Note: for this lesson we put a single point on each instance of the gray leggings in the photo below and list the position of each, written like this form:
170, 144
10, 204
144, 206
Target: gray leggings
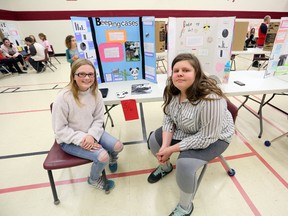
189, 161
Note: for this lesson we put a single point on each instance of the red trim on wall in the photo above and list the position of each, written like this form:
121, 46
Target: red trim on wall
65, 15
7, 15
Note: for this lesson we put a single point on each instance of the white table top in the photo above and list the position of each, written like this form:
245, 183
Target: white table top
254, 84
155, 95
251, 51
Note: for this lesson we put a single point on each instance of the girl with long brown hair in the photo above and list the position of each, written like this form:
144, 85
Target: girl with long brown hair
196, 123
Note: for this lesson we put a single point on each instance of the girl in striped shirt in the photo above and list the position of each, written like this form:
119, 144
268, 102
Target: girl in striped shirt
196, 123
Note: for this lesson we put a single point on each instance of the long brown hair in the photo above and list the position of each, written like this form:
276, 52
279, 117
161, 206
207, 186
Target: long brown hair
73, 85
201, 87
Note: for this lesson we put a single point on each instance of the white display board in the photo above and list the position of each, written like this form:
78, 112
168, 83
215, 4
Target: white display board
210, 39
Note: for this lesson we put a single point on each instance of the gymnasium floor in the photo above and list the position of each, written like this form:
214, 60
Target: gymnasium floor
260, 186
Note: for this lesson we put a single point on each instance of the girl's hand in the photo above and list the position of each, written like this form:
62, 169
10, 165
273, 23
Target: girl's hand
75, 57
87, 142
164, 155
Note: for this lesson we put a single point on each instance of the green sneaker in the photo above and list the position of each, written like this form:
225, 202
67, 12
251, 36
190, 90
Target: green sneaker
99, 183
158, 173
179, 211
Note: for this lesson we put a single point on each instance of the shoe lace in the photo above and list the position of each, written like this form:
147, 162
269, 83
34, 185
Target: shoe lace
178, 211
158, 171
99, 183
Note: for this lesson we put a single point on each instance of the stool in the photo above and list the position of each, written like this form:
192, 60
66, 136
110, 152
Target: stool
58, 159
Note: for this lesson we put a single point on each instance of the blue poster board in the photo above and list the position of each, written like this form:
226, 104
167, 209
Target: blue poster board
84, 39
119, 45
123, 46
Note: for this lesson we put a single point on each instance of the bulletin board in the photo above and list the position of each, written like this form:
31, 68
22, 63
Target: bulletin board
85, 44
278, 62
210, 39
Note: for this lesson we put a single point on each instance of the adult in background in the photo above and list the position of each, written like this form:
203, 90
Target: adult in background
37, 52
262, 31
10, 62
11, 52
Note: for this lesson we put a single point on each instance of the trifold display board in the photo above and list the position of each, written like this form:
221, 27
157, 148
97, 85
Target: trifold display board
278, 61
121, 48
209, 39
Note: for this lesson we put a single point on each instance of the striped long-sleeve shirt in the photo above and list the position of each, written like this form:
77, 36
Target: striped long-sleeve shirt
197, 126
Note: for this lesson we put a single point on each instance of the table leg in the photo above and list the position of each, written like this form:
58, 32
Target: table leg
246, 99
108, 115
143, 123
260, 115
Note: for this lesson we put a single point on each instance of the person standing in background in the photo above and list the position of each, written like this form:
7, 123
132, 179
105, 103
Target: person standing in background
262, 31
72, 53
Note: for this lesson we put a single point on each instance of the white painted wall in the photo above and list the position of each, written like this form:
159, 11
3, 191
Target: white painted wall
54, 5
56, 31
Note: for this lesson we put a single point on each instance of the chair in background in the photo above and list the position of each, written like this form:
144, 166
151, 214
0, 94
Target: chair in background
160, 63
3, 67
46, 61
52, 54
58, 159
260, 58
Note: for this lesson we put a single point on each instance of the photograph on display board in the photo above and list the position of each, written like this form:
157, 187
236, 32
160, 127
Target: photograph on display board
132, 50
210, 39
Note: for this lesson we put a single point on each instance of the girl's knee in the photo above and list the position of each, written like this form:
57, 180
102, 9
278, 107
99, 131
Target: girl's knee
103, 157
153, 143
118, 146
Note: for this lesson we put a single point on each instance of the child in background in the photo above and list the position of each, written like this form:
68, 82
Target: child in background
72, 53
45, 43
33, 38
78, 117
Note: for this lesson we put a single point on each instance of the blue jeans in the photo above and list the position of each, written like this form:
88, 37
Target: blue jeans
107, 141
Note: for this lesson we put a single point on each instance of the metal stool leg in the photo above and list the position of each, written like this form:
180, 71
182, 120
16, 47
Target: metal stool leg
231, 172
53, 188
